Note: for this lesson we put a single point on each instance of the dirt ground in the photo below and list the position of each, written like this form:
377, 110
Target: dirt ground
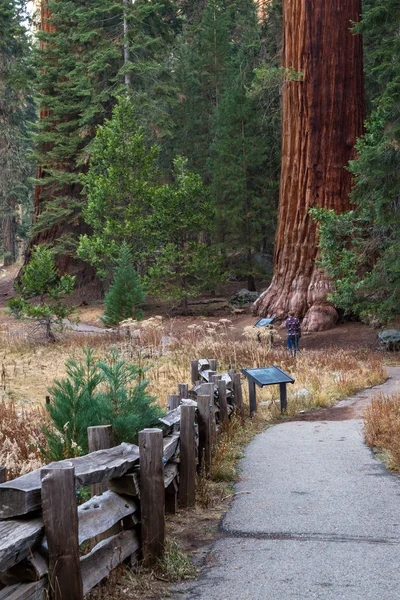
347, 335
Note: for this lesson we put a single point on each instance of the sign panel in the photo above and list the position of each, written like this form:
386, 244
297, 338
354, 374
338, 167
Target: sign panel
268, 376
264, 322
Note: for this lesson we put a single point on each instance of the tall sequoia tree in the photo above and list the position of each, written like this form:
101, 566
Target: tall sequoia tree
322, 118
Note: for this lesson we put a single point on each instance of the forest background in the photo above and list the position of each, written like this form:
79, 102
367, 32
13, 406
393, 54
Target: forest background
158, 124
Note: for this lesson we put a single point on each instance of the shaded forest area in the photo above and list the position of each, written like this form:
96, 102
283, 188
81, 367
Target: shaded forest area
157, 126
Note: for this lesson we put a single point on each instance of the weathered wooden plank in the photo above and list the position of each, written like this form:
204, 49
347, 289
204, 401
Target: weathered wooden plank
32, 568
60, 518
127, 485
170, 473
102, 512
17, 539
22, 495
213, 364
99, 438
3, 474
170, 445
172, 417
187, 483
25, 591
104, 557
152, 494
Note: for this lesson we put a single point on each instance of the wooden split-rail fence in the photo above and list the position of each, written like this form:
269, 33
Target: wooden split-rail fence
52, 548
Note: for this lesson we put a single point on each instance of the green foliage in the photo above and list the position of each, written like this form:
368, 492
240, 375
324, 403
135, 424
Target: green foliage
182, 217
109, 392
125, 294
81, 70
119, 186
17, 110
40, 280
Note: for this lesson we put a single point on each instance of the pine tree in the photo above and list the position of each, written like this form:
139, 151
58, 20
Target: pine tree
16, 113
108, 392
245, 159
125, 296
40, 279
81, 70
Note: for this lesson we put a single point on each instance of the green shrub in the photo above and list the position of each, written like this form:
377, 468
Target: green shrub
110, 392
125, 295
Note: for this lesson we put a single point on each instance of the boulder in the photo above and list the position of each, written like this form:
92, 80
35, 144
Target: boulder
243, 297
390, 338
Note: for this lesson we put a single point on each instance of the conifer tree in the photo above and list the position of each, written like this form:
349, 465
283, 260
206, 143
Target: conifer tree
125, 296
245, 159
16, 113
81, 70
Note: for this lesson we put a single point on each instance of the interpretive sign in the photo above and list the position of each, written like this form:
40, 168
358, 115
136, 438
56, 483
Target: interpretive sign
264, 322
267, 376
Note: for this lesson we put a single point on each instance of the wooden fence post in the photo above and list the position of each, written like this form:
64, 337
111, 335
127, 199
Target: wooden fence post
238, 394
194, 371
223, 403
99, 438
183, 390
152, 494
213, 364
209, 389
211, 374
3, 474
173, 401
187, 482
60, 518
204, 423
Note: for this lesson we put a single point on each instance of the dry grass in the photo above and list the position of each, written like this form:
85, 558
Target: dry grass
382, 427
20, 439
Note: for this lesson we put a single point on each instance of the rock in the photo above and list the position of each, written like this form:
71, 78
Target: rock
243, 297
390, 338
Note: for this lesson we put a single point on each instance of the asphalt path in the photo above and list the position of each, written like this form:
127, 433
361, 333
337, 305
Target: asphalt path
315, 515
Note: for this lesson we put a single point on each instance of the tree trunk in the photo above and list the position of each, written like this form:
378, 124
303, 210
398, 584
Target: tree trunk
8, 234
322, 117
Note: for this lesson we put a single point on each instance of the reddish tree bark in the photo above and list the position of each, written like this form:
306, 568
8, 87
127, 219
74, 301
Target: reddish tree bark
322, 117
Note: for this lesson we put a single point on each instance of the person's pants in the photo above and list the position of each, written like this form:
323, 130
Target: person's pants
293, 344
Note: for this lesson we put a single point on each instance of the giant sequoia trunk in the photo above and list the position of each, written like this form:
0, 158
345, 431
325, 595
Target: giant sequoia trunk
322, 118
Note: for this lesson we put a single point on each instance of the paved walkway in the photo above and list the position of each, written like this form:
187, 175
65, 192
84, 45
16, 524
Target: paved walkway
316, 515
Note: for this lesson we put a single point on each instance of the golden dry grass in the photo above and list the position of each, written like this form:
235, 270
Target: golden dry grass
28, 367
382, 427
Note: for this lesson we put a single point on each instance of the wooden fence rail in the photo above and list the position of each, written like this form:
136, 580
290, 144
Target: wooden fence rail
49, 546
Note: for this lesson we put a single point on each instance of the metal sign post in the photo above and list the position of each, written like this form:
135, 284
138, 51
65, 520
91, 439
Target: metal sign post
263, 377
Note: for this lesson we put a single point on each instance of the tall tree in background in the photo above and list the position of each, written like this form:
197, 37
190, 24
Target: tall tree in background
16, 112
82, 69
322, 118
245, 153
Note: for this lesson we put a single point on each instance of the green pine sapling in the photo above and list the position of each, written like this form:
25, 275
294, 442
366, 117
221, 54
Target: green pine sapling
108, 392
125, 296
41, 280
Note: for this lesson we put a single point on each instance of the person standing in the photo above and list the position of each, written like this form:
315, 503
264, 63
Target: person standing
293, 333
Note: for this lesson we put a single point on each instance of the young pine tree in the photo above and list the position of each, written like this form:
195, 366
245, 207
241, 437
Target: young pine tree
125, 296
108, 392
